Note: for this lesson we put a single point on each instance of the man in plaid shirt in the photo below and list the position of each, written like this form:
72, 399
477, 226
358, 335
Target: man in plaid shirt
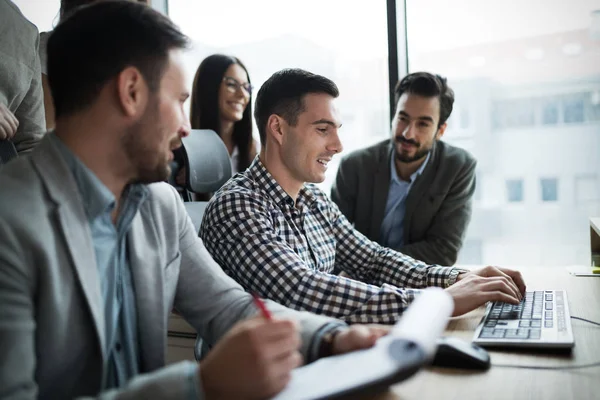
281, 237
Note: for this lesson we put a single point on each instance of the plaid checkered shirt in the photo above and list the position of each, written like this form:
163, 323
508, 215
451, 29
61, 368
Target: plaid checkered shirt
286, 252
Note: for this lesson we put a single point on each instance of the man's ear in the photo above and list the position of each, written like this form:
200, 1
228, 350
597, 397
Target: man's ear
441, 131
132, 91
275, 128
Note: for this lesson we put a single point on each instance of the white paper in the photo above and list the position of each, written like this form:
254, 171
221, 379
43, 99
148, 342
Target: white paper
426, 319
423, 323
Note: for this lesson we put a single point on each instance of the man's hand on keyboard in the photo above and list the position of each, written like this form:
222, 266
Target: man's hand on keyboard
476, 288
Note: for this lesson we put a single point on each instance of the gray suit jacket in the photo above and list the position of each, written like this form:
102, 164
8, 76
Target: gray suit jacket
21, 76
438, 206
52, 341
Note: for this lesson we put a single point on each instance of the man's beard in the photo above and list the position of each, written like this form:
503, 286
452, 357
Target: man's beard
419, 154
148, 167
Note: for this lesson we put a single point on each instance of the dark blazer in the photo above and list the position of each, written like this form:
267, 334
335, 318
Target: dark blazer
438, 206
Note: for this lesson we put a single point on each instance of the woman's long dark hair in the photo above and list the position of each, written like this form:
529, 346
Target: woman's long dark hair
204, 107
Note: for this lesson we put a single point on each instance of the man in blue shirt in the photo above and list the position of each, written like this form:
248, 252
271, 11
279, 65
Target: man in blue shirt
412, 193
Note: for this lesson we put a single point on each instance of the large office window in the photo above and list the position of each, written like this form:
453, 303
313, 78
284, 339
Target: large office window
530, 73
349, 47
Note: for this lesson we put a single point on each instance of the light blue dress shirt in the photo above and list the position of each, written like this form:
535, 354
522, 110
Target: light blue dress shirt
112, 260
392, 228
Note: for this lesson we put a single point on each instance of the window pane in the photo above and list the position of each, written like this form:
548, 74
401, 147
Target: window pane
533, 91
349, 47
43, 13
514, 190
574, 108
593, 106
549, 189
550, 111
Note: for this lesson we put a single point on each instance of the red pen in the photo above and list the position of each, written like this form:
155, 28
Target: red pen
262, 307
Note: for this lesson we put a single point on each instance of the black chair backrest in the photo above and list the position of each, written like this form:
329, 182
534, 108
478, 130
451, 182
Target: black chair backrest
207, 161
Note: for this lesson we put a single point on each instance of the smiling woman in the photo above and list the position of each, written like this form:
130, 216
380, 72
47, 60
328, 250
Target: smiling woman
221, 96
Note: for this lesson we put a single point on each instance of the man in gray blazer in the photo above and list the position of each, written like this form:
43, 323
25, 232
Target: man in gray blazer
21, 97
412, 193
94, 255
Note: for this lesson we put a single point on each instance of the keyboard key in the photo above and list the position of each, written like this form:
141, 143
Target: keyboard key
517, 334
535, 333
536, 324
523, 333
549, 305
548, 315
492, 335
548, 323
524, 324
548, 297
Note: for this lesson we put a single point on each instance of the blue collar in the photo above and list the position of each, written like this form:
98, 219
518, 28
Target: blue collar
97, 198
394, 173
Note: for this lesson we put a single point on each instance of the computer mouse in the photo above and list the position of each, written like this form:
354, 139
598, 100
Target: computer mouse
457, 353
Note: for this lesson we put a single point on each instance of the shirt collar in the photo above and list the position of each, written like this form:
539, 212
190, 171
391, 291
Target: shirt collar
271, 188
97, 198
394, 173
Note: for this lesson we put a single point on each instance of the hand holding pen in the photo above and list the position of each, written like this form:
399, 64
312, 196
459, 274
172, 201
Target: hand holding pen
260, 353
260, 304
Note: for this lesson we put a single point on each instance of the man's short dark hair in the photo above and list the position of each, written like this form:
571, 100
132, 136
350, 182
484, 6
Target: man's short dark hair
69, 6
96, 42
283, 94
427, 85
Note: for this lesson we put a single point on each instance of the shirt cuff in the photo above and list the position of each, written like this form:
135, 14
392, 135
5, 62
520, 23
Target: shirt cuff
439, 276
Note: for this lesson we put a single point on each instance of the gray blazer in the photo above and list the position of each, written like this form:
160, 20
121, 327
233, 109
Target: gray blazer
438, 206
21, 76
52, 341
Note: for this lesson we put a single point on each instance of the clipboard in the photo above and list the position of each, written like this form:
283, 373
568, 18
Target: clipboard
396, 357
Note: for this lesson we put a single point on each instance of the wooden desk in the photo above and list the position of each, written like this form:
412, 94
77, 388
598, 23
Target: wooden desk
513, 383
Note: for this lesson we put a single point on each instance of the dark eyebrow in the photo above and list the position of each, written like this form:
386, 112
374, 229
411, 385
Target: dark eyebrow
423, 118
328, 122
235, 80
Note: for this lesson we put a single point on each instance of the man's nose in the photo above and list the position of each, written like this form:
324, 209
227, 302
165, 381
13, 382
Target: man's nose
409, 131
336, 144
185, 128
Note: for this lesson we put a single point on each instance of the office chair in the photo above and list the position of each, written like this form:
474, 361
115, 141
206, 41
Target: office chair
206, 160
208, 167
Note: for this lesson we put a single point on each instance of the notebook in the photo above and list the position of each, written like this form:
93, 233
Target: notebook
410, 345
